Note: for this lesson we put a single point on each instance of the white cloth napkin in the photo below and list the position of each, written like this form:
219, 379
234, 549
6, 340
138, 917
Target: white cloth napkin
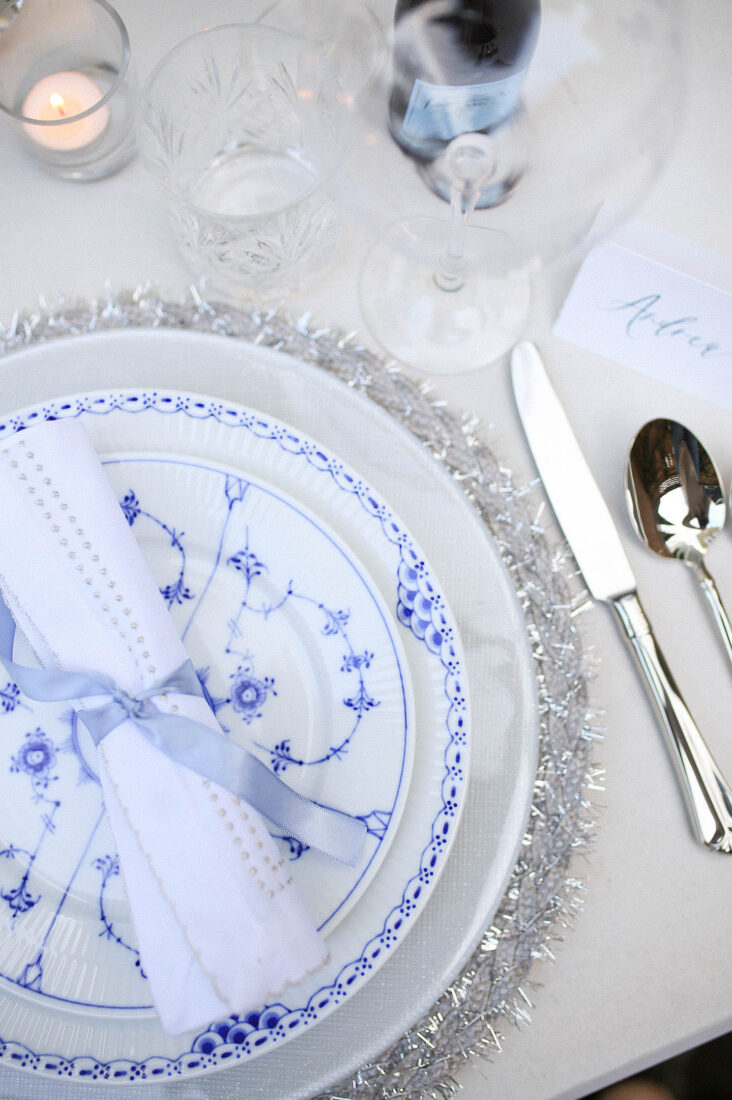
221, 927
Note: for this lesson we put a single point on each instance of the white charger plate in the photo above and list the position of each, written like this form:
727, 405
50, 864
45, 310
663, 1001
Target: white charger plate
499, 663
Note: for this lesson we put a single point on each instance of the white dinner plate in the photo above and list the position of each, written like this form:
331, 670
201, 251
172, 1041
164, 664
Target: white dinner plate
324, 641
497, 654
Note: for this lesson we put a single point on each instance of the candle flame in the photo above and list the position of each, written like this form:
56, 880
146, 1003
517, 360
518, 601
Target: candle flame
57, 102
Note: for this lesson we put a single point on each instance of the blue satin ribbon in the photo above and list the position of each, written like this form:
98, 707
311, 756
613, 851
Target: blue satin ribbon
200, 748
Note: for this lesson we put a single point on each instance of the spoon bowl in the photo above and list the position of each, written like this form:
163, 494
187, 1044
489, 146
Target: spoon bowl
676, 502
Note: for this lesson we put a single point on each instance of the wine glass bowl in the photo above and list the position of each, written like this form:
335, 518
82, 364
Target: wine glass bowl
591, 119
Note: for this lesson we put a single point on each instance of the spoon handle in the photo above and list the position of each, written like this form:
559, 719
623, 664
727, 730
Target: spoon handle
721, 618
709, 796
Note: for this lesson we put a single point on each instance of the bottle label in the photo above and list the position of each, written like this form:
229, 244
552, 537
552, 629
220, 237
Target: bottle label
444, 111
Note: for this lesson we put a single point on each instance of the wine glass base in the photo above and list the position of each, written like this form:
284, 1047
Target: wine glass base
444, 331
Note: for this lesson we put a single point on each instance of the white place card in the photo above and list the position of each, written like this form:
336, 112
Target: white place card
659, 304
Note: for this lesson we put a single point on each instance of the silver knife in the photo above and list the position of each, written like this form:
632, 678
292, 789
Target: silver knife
593, 538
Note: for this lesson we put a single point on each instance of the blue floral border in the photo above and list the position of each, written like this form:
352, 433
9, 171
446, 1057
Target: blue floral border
421, 609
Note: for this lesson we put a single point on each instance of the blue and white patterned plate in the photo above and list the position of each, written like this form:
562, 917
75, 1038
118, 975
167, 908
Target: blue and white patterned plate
299, 660
310, 614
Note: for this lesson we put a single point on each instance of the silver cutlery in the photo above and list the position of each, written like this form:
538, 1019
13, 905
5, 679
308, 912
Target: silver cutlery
676, 502
590, 531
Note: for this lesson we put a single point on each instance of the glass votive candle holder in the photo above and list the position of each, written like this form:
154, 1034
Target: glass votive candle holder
67, 86
241, 128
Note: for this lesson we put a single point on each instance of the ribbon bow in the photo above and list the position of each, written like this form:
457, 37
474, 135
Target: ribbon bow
191, 743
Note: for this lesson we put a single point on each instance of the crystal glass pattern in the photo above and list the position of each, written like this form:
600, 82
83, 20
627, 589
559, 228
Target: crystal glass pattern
240, 128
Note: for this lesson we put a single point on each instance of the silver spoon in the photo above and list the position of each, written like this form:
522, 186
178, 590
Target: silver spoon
676, 502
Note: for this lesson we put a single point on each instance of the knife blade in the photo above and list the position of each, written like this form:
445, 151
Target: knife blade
577, 502
590, 530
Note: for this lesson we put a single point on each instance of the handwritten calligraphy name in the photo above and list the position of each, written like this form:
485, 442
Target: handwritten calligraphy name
644, 317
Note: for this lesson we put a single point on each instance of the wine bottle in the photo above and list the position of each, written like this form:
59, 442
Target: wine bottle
458, 68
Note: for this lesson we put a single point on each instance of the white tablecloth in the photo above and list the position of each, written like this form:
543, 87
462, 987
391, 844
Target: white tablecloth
645, 973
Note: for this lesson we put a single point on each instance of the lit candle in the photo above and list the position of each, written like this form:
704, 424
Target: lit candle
65, 95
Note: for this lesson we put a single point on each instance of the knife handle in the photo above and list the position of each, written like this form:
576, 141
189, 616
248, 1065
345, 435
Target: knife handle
710, 798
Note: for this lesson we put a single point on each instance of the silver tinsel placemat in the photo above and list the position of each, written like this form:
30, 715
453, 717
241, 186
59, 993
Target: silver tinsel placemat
495, 988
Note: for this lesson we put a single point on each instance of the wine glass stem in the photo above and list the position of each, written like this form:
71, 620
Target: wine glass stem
452, 266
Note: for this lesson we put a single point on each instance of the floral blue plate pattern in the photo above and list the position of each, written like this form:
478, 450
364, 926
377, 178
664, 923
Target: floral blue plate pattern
298, 659
310, 615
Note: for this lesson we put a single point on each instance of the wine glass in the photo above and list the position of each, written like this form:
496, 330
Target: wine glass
464, 222
346, 32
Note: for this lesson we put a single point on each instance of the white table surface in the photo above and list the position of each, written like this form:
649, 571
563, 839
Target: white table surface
646, 972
